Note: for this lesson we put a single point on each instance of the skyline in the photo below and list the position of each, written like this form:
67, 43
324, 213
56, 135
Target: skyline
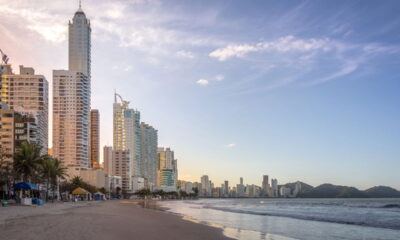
241, 76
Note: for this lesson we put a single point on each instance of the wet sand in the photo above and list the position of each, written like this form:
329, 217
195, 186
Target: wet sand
97, 221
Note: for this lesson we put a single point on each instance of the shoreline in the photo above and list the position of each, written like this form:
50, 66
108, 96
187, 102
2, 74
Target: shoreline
116, 219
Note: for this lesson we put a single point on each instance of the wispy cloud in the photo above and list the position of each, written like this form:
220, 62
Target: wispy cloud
202, 82
48, 26
185, 54
231, 145
283, 45
219, 77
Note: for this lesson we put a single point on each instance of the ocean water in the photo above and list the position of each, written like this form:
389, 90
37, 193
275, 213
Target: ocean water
296, 219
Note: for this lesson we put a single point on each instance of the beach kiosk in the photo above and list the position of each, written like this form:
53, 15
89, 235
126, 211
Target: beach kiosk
81, 194
25, 191
99, 196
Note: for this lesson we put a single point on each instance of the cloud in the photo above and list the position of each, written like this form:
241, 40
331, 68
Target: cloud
49, 26
115, 10
219, 77
282, 45
185, 54
345, 70
231, 145
223, 54
202, 82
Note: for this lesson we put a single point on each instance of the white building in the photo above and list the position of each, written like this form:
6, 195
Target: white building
71, 99
113, 185
205, 186
137, 183
126, 138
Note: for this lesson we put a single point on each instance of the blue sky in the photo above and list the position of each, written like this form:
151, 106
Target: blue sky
298, 90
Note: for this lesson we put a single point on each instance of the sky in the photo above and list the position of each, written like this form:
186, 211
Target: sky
297, 90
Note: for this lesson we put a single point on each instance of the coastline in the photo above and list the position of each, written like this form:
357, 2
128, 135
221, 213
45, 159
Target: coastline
119, 219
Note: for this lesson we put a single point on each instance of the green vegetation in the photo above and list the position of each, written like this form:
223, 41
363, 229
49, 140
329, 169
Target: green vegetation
29, 165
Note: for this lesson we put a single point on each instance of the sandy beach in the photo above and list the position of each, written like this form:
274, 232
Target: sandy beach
98, 220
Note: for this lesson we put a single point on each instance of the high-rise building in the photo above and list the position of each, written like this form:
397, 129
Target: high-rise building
265, 185
205, 186
167, 166
122, 168
94, 138
166, 158
71, 99
149, 157
126, 133
274, 188
15, 128
241, 180
27, 93
79, 44
108, 160
226, 188
71, 110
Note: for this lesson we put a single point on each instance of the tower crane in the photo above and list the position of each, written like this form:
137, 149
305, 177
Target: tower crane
4, 60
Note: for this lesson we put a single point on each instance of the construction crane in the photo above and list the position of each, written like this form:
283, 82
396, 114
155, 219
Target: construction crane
4, 60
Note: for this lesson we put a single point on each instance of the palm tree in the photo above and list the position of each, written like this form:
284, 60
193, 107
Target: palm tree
52, 170
5, 172
78, 181
60, 172
47, 170
27, 161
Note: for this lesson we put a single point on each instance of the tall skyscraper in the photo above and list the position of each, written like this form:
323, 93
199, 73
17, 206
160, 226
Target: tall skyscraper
265, 185
71, 99
226, 188
205, 186
274, 188
149, 157
94, 138
127, 138
79, 44
27, 94
108, 159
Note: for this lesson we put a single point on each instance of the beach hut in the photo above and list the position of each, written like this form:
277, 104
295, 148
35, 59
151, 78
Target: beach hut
25, 191
99, 196
80, 193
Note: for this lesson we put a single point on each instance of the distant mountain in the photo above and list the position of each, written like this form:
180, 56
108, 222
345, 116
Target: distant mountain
382, 192
333, 191
304, 186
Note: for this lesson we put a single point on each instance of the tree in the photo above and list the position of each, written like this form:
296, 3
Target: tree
160, 193
27, 161
143, 192
196, 191
6, 172
78, 182
183, 194
60, 172
52, 170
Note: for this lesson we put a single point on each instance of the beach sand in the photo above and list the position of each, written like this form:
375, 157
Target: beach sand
97, 221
